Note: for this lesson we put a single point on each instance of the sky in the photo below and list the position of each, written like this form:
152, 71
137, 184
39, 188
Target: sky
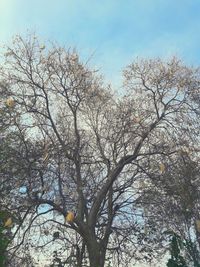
113, 33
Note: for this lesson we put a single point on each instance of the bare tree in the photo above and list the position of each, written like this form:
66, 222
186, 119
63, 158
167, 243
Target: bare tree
171, 199
84, 150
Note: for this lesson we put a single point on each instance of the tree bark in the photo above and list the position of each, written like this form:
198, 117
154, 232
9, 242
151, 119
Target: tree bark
95, 257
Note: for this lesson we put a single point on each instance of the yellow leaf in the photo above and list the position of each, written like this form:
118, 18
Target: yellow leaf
8, 222
185, 151
46, 157
198, 225
70, 217
10, 102
136, 119
162, 168
42, 47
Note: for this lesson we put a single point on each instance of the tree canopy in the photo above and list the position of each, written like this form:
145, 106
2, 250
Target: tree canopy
103, 177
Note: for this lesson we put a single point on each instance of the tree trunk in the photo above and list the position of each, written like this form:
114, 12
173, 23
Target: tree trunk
95, 258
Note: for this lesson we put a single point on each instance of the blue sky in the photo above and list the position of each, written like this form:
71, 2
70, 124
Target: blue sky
115, 32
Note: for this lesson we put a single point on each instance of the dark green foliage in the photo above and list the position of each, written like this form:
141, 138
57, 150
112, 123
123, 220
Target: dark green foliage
177, 247
176, 259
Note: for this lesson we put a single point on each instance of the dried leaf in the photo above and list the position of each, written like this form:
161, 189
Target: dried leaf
198, 225
10, 102
162, 168
70, 217
8, 222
